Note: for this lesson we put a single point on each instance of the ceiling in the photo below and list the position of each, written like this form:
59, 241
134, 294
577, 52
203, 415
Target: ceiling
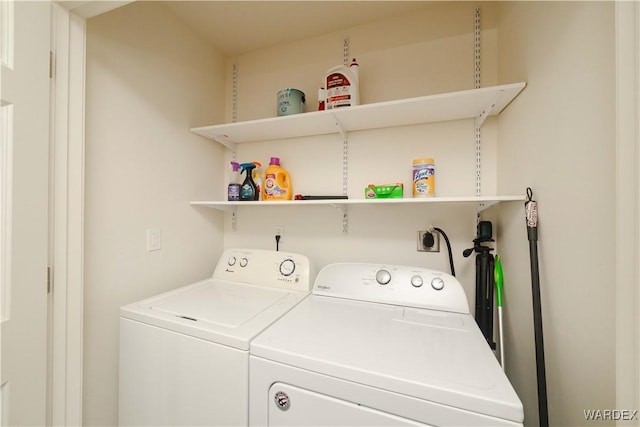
237, 27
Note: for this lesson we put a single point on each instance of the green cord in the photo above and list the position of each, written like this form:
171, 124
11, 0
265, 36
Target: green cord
497, 272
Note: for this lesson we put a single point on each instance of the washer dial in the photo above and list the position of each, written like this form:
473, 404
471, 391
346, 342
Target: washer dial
383, 277
287, 267
243, 262
416, 281
437, 284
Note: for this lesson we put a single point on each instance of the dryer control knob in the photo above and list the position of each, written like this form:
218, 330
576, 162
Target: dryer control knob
231, 261
437, 284
416, 281
287, 267
243, 262
282, 400
383, 277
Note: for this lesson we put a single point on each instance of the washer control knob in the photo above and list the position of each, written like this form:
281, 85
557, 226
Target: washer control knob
287, 267
416, 281
383, 277
231, 260
243, 262
437, 284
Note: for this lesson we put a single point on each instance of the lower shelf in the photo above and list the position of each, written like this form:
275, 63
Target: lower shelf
484, 202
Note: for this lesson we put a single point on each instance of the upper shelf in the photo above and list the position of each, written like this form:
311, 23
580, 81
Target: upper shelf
474, 103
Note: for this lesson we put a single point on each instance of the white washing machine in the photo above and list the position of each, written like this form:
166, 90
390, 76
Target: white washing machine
379, 345
184, 354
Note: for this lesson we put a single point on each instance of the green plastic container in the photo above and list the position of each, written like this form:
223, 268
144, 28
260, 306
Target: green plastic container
389, 191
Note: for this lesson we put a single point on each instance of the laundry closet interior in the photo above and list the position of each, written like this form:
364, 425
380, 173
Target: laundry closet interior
152, 76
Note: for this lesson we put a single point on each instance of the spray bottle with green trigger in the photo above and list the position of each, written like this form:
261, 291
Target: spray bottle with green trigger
249, 190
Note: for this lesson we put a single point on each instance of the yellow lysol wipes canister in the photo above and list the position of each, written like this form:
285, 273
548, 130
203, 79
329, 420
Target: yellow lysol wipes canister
424, 177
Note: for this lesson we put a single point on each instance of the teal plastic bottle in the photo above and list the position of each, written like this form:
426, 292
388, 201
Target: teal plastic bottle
248, 190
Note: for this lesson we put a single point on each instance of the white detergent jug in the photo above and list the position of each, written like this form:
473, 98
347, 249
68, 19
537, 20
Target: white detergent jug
341, 86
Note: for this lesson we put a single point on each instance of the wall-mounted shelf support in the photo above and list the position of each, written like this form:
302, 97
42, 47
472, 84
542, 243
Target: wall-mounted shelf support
483, 206
234, 219
484, 114
479, 120
345, 170
224, 140
489, 110
345, 51
340, 128
478, 175
234, 94
345, 217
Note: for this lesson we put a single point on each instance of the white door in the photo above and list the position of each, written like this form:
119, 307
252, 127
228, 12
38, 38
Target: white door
294, 406
24, 176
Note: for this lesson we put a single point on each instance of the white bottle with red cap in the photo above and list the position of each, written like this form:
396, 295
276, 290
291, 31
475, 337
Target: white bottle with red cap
341, 86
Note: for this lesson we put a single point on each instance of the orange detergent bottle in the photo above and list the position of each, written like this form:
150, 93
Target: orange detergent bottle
277, 183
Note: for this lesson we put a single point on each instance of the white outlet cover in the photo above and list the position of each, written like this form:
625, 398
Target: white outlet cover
154, 239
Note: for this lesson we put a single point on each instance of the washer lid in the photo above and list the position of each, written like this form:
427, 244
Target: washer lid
432, 355
225, 304
224, 312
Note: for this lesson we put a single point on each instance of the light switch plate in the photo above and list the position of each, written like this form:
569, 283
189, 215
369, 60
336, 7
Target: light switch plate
154, 239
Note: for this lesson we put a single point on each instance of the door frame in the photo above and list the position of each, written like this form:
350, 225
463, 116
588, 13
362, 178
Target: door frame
68, 115
627, 238
68, 206
68, 46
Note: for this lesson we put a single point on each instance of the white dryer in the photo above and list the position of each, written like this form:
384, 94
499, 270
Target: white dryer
379, 345
184, 354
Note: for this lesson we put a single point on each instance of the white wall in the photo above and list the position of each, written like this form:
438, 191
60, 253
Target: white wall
422, 53
149, 79
558, 137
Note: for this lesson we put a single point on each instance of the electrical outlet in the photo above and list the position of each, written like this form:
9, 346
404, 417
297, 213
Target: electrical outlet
436, 242
278, 230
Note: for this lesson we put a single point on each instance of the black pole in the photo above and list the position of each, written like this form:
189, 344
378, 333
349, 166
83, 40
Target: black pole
489, 280
480, 291
531, 213
484, 293
484, 280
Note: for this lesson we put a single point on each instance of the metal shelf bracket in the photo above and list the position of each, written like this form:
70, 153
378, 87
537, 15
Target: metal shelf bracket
345, 169
345, 217
234, 219
484, 114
